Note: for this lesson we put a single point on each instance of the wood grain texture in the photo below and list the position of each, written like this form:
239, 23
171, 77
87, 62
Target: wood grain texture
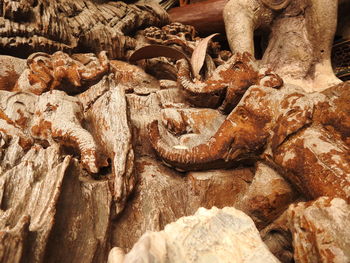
205, 16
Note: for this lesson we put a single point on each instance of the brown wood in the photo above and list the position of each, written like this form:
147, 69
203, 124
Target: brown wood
205, 16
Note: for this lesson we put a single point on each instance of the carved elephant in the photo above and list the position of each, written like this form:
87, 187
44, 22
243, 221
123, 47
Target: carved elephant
53, 116
227, 83
300, 33
305, 135
92, 126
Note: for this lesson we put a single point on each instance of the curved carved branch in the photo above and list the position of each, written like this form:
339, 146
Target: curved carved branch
198, 157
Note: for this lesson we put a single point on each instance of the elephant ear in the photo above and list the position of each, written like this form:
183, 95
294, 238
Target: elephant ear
297, 113
276, 4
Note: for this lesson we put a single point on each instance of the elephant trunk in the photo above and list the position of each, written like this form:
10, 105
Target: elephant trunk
217, 83
74, 135
185, 78
207, 155
201, 93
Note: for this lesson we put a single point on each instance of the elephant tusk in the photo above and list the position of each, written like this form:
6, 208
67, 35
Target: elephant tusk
203, 155
231, 156
180, 147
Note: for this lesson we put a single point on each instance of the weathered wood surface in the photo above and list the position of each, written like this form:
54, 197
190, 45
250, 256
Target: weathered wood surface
79, 26
86, 140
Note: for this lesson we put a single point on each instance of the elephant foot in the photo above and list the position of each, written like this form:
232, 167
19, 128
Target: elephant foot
324, 77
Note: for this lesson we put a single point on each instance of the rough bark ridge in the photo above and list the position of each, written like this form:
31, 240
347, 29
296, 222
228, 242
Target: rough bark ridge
85, 139
83, 25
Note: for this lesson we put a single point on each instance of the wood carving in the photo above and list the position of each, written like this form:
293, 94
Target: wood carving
57, 71
227, 83
83, 135
85, 25
37, 112
294, 25
264, 120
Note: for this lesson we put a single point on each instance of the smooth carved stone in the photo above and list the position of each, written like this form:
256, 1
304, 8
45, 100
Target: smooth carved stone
215, 235
318, 228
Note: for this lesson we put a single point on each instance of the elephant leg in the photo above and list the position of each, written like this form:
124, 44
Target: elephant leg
241, 18
321, 23
316, 163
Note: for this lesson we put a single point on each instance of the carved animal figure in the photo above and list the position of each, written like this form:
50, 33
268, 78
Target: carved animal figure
60, 71
29, 26
52, 116
306, 135
92, 125
299, 45
227, 83
57, 118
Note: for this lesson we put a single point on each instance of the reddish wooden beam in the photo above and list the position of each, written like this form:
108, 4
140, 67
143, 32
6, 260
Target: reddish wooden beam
205, 16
